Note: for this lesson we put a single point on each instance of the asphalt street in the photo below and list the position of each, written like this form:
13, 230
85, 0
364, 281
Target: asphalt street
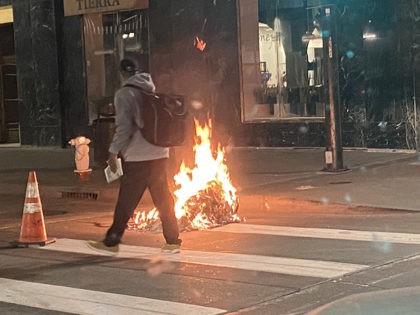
306, 239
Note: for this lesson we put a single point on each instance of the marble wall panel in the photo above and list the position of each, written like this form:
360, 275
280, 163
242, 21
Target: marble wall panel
37, 71
71, 70
211, 75
25, 69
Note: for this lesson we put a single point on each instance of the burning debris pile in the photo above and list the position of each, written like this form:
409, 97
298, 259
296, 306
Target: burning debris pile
208, 208
205, 197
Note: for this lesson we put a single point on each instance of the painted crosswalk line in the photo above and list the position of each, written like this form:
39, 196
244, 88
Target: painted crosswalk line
337, 234
281, 265
81, 301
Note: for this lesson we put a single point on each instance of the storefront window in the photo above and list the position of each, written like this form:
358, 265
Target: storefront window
107, 38
281, 53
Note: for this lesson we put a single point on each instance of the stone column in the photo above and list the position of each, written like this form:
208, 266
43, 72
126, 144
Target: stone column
37, 72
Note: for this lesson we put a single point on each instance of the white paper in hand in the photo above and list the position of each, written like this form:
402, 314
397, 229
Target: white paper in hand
110, 175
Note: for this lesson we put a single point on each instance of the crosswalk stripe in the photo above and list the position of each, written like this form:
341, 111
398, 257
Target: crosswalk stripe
281, 265
81, 301
353, 235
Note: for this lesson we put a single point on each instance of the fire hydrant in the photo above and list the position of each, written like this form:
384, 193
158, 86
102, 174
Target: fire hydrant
81, 156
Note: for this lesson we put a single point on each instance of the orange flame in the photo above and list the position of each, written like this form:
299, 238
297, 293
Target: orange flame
210, 170
207, 169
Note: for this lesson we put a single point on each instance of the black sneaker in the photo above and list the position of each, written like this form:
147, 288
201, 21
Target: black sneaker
100, 247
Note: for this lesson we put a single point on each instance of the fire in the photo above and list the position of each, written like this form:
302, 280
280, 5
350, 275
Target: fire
205, 196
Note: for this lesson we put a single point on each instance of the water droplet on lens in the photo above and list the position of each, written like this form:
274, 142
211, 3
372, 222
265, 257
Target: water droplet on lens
349, 54
325, 200
325, 33
347, 198
303, 129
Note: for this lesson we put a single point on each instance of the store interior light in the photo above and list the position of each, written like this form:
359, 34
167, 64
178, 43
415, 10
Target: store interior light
128, 35
369, 36
369, 31
6, 14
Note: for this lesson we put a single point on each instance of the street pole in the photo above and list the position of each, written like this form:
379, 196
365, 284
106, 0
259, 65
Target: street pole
416, 126
277, 30
334, 150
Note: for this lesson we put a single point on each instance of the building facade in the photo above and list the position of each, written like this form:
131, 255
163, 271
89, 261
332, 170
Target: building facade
258, 66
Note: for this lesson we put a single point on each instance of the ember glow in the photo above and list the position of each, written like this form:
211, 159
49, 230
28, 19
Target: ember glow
205, 196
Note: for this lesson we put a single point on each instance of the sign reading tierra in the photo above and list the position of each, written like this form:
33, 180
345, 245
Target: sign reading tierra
75, 7
94, 4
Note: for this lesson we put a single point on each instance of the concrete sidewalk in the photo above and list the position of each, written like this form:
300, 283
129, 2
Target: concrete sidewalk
392, 301
376, 178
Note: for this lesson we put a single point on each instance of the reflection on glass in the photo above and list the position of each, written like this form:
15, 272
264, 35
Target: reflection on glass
289, 82
282, 59
107, 38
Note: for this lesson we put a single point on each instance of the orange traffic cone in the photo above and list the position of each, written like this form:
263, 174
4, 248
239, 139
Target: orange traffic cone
32, 231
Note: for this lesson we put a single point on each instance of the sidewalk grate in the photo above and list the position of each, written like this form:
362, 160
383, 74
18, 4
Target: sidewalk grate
79, 195
343, 182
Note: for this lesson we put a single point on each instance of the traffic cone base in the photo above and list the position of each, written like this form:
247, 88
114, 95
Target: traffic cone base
32, 231
27, 244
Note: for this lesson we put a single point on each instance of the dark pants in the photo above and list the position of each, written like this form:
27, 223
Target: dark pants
137, 177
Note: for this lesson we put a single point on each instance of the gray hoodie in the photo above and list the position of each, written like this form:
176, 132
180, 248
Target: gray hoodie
128, 139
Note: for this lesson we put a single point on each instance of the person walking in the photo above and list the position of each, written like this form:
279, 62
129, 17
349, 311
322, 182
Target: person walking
144, 164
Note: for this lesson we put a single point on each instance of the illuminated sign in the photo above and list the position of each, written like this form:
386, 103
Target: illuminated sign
76, 7
6, 15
